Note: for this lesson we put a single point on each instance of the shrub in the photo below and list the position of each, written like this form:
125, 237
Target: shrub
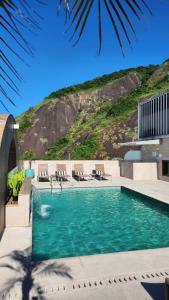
15, 182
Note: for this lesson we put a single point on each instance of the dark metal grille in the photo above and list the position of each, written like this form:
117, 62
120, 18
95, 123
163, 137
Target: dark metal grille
154, 117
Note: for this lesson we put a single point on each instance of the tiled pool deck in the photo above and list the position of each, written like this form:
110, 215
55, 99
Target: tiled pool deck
129, 275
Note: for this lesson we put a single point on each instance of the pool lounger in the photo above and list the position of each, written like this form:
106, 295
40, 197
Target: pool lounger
99, 172
61, 172
43, 172
78, 173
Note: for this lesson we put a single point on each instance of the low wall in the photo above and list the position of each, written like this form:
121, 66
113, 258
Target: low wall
126, 169
8, 159
111, 166
19, 214
139, 170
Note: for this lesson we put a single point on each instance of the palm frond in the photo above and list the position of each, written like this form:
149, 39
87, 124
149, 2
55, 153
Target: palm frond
16, 16
119, 12
19, 15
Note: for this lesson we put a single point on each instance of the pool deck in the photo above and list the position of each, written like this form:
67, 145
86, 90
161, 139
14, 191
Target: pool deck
120, 276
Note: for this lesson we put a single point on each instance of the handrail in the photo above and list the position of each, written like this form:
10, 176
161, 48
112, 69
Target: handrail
61, 184
59, 181
51, 184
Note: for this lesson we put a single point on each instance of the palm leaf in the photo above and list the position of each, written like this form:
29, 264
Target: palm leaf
17, 14
119, 12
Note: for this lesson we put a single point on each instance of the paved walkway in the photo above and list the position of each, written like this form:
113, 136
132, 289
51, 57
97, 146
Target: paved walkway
135, 275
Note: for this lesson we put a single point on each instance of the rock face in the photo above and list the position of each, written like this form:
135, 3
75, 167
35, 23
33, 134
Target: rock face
50, 122
53, 120
120, 88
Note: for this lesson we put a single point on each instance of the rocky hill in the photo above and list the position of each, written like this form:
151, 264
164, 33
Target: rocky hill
88, 121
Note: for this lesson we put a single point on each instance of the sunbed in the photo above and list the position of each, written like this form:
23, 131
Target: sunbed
61, 172
78, 172
43, 174
99, 172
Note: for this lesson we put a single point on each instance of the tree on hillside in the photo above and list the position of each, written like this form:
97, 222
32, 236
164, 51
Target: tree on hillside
19, 15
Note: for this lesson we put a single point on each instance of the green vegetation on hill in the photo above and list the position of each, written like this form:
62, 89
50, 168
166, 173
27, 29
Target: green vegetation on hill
25, 118
107, 115
106, 123
101, 81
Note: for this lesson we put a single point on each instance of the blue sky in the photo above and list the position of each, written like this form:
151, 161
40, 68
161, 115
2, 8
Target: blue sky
57, 64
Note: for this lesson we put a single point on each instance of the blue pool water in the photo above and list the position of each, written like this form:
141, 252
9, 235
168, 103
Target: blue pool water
96, 220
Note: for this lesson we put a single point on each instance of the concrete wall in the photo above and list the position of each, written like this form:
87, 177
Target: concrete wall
7, 135
150, 152
19, 214
111, 166
164, 149
161, 150
139, 170
162, 153
127, 169
145, 171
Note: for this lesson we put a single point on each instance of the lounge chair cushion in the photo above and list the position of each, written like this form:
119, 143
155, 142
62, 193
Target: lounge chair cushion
43, 173
79, 173
99, 172
61, 173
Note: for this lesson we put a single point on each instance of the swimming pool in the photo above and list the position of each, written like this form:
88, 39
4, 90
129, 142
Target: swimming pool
87, 221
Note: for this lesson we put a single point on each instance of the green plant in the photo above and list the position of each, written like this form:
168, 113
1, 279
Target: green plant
86, 149
24, 123
15, 182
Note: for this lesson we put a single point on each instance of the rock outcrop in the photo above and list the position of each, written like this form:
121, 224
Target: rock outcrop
53, 120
